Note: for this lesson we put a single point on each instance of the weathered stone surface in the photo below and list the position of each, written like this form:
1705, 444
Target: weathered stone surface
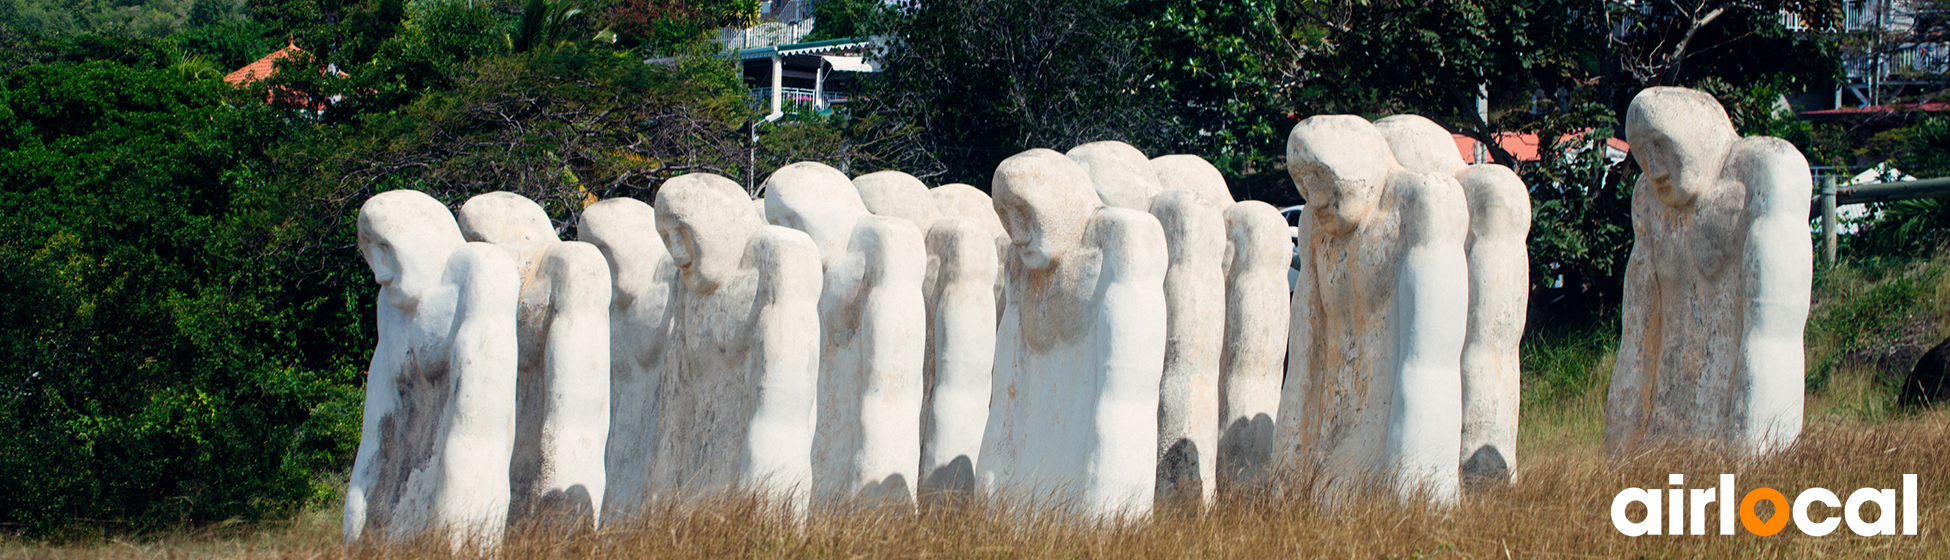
1256, 318
1121, 174
440, 395
1080, 350
1193, 173
961, 353
1717, 287
1195, 311
736, 404
874, 324
1380, 313
562, 419
897, 195
959, 291
1188, 398
643, 283
1499, 291
960, 199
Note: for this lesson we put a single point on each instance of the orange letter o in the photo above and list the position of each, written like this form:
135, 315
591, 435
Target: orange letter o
1752, 521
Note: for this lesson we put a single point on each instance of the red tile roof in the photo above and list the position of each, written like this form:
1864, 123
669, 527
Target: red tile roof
261, 69
1523, 145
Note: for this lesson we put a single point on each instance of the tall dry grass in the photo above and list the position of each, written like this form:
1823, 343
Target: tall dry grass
1560, 507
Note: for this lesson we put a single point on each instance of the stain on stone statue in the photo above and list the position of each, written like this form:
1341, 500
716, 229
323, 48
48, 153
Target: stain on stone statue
1374, 385
439, 426
1080, 349
1718, 284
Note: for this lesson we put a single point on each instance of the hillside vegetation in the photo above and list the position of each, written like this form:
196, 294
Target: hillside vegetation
187, 322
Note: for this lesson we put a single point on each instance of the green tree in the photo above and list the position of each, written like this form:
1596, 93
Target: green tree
984, 79
843, 19
670, 26
166, 363
1224, 63
561, 126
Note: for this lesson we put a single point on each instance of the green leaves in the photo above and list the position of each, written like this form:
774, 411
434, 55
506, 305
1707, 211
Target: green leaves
543, 23
984, 79
153, 376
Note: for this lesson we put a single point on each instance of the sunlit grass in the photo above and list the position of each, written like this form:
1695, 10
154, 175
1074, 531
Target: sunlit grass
1559, 507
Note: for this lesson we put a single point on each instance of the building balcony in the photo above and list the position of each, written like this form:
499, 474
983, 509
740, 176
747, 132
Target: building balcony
799, 95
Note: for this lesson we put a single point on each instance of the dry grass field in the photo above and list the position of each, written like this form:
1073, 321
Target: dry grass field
1558, 508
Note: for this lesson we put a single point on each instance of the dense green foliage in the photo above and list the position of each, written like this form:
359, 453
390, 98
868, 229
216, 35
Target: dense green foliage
165, 362
189, 325
985, 79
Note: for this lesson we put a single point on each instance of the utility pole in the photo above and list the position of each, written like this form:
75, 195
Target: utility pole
1828, 220
1483, 116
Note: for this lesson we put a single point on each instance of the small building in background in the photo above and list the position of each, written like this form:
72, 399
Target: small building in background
820, 74
1528, 147
264, 68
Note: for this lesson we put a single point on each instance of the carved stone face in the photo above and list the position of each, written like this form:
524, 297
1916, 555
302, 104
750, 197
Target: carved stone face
1680, 138
1340, 163
1044, 200
406, 237
705, 221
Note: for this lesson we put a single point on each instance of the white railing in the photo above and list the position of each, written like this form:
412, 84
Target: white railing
1920, 58
797, 95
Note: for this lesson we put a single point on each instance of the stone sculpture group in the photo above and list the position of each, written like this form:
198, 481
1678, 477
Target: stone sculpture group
1108, 331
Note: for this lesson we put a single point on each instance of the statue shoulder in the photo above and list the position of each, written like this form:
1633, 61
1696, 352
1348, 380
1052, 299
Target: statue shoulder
1432, 205
787, 262
1132, 242
1498, 199
484, 273
1770, 168
893, 249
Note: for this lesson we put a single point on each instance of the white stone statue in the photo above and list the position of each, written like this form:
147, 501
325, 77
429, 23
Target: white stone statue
1195, 311
644, 283
736, 403
440, 395
897, 195
1260, 252
959, 291
1193, 173
961, 353
1080, 350
873, 322
1183, 197
966, 201
1499, 291
1121, 174
562, 422
1717, 288
1380, 313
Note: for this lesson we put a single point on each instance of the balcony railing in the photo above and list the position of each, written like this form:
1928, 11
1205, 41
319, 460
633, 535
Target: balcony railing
1919, 58
797, 95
